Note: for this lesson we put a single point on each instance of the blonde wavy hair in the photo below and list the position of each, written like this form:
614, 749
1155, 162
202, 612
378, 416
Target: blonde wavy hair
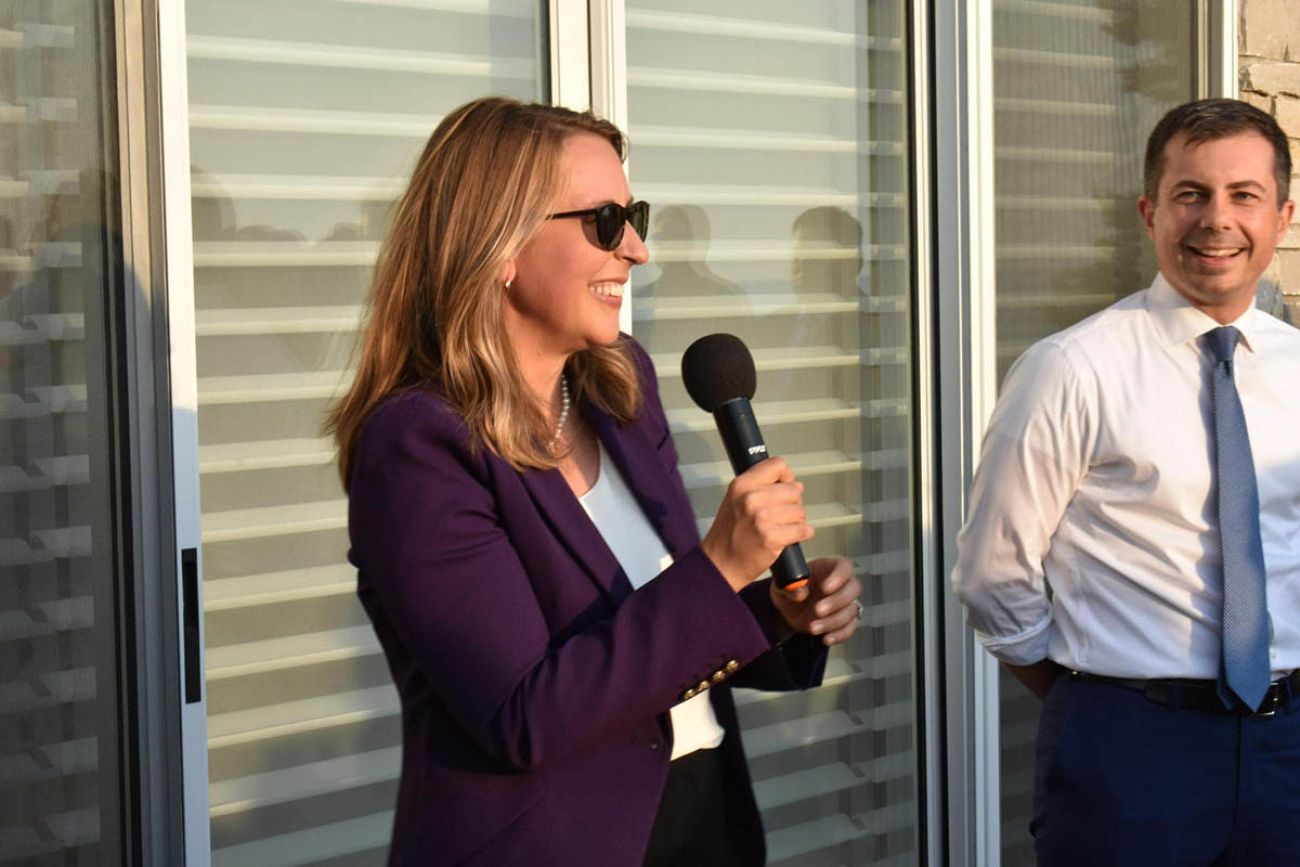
489, 177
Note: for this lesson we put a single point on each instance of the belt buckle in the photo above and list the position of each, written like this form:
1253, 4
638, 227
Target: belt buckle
1272, 701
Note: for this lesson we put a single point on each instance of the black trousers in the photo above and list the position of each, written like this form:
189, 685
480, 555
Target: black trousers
691, 827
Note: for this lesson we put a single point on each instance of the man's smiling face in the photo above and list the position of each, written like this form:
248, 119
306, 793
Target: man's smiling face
1215, 220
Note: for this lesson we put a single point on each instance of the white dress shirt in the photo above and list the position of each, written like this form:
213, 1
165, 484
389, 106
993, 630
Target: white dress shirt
641, 553
1092, 537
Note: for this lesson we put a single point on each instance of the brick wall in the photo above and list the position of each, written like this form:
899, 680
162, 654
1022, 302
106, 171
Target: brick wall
1270, 78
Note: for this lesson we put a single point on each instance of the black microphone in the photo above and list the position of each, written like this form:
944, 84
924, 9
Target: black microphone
719, 375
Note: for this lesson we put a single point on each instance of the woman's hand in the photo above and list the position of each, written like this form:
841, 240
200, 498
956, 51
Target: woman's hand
761, 514
827, 605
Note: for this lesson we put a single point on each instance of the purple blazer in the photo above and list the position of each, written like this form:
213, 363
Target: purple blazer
534, 681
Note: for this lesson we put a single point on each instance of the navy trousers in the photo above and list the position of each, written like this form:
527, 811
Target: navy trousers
1120, 780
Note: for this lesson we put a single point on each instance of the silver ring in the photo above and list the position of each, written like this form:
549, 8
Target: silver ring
861, 608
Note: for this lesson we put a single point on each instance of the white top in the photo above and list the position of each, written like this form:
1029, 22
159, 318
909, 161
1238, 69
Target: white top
641, 553
1096, 481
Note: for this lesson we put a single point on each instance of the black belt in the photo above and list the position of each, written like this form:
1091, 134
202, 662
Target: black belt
1202, 695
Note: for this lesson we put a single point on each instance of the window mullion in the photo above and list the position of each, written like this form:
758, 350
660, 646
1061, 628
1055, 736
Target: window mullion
569, 52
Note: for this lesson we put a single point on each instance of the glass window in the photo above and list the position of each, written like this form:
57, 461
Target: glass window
60, 267
771, 139
1077, 88
306, 117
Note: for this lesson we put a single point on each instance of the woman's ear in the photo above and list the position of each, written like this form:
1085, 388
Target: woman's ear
508, 274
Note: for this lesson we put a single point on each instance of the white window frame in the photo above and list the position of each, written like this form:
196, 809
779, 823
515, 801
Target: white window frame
966, 361
607, 34
1221, 18
929, 682
570, 54
182, 365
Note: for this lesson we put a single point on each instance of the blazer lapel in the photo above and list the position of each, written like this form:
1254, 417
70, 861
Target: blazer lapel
561, 509
659, 493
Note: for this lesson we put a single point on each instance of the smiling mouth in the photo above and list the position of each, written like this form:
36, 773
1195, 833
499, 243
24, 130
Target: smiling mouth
1214, 252
609, 290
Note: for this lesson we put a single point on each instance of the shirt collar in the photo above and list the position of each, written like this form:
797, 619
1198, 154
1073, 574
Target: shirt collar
1178, 321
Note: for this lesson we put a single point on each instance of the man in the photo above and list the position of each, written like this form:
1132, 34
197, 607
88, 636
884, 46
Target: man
1133, 549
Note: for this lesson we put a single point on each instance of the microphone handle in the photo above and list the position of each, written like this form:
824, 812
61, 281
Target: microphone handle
745, 447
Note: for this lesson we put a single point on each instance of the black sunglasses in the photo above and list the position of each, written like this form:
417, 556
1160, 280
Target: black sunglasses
611, 218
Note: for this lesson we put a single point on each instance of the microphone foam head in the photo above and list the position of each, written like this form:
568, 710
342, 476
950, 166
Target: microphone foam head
718, 368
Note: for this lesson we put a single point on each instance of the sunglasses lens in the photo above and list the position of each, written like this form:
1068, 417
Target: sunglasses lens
639, 215
610, 220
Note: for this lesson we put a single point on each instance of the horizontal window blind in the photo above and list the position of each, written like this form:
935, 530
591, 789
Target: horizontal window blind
772, 142
58, 682
306, 117
1077, 88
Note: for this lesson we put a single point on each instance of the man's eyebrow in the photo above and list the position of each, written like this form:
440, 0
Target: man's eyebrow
1189, 184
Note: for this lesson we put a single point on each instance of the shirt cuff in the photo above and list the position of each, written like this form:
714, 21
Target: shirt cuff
1023, 648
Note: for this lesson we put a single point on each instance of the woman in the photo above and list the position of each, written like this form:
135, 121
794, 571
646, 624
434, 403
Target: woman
526, 551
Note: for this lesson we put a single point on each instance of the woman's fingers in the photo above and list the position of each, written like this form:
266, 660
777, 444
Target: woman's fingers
838, 626
831, 572
777, 515
767, 472
761, 513
782, 536
844, 596
836, 613
841, 635
759, 500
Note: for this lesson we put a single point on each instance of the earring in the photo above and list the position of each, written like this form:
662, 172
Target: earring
508, 282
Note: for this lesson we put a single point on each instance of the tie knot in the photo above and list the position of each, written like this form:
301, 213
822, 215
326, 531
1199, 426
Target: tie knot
1223, 342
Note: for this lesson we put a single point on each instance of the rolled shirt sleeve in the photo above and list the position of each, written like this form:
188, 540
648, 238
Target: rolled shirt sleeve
1034, 454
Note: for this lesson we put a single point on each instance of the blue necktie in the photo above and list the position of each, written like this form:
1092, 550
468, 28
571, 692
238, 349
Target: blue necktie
1245, 667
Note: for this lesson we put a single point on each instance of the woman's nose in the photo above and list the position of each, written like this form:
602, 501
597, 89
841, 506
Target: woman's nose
632, 248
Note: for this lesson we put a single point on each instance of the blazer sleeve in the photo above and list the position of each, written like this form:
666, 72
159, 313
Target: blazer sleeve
452, 603
800, 662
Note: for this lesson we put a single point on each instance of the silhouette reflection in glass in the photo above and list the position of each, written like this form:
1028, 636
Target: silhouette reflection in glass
825, 264
826, 252
680, 236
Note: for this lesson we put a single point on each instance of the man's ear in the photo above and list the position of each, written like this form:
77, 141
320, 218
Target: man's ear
1284, 219
1147, 210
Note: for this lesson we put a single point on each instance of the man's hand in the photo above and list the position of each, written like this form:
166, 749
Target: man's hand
1037, 678
827, 605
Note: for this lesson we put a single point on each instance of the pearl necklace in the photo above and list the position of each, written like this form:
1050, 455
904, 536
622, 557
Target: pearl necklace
564, 410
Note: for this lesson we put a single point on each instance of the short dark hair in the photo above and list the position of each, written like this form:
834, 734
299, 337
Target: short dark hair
1209, 119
